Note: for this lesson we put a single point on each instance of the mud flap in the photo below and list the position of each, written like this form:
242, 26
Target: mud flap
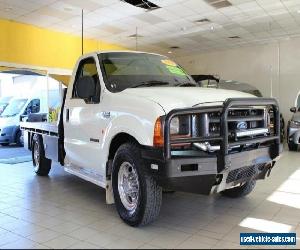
109, 193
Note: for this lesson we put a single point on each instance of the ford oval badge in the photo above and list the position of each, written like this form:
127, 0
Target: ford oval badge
242, 125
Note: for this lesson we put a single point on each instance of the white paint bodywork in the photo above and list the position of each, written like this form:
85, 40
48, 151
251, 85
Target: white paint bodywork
132, 111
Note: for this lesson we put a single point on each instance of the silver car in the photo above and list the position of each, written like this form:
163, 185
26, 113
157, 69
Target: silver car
293, 129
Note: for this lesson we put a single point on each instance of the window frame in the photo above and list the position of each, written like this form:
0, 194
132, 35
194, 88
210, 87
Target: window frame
78, 72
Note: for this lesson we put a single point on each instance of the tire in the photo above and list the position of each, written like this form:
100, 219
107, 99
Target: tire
4, 144
293, 146
240, 191
142, 206
41, 164
282, 132
19, 139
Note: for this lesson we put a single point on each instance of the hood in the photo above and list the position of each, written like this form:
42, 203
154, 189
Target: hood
183, 97
9, 121
296, 117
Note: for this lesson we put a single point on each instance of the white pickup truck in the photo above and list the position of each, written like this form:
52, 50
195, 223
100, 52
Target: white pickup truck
135, 123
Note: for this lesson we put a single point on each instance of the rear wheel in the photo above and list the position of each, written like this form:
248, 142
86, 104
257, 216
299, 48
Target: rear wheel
240, 191
293, 146
4, 144
137, 195
41, 164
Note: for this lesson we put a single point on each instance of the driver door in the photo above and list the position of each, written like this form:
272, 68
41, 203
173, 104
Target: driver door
82, 126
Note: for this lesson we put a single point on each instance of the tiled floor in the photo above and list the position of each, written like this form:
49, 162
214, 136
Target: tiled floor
63, 211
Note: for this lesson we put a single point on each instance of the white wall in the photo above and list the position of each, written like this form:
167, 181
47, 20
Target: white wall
277, 63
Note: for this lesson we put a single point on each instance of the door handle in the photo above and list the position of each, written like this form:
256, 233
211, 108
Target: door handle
67, 115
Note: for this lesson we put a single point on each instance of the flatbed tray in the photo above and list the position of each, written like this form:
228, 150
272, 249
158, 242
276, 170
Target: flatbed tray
46, 128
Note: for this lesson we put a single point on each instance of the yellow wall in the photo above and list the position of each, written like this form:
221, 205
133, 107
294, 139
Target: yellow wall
30, 45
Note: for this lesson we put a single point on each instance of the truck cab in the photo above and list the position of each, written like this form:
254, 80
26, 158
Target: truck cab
135, 123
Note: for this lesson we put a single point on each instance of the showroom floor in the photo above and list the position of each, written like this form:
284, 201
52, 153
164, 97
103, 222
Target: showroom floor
63, 211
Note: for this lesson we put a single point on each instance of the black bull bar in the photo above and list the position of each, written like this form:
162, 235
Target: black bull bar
222, 155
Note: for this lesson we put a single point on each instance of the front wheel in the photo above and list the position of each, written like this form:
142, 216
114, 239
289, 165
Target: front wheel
240, 191
19, 139
41, 164
137, 195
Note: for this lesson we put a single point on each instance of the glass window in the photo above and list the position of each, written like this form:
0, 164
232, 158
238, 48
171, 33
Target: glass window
14, 108
298, 101
122, 70
87, 67
33, 107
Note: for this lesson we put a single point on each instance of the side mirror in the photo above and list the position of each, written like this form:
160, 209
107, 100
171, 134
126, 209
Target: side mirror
293, 109
86, 87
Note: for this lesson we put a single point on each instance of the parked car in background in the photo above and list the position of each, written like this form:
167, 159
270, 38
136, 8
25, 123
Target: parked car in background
4, 101
11, 116
211, 81
293, 128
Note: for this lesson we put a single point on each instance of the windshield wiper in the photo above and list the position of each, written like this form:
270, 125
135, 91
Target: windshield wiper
185, 84
150, 83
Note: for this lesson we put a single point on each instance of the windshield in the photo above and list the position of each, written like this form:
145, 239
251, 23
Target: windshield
122, 70
14, 107
3, 105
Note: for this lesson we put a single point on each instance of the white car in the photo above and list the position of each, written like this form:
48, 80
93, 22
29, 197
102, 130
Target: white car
134, 123
11, 116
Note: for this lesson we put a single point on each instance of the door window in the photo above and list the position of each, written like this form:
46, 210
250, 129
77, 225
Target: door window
33, 107
298, 101
87, 67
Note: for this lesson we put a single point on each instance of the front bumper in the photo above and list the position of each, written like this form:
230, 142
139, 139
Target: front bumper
200, 174
197, 171
7, 134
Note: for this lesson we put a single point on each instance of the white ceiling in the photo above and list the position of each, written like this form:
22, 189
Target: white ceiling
255, 21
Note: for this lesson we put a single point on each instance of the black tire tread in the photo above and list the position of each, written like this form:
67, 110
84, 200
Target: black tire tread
240, 191
153, 190
18, 139
45, 164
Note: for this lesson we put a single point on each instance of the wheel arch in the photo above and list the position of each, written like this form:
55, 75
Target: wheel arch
115, 143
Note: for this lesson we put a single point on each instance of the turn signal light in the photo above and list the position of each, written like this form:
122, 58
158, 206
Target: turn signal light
158, 138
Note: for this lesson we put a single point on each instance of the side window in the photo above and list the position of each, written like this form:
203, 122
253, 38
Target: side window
33, 107
87, 68
298, 102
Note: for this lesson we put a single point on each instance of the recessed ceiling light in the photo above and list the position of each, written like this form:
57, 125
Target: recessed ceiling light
298, 11
212, 27
203, 20
68, 9
170, 52
135, 36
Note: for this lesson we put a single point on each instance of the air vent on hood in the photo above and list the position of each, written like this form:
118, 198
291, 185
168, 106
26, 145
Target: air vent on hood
145, 4
218, 4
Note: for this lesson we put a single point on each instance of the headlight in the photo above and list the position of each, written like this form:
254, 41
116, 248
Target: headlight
174, 126
295, 124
